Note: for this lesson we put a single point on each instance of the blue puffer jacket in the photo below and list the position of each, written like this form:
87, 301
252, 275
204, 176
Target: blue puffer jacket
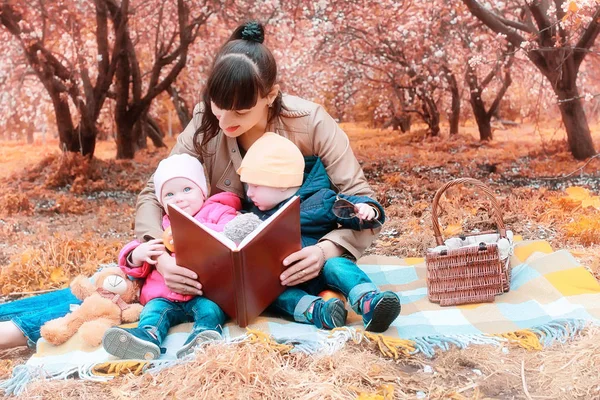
316, 205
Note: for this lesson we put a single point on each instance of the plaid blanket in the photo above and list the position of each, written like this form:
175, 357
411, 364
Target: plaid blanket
552, 297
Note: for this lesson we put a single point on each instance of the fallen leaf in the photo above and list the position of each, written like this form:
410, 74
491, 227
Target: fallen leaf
591, 202
577, 193
452, 230
57, 275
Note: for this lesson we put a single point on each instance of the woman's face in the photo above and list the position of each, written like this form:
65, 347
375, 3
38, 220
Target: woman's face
237, 122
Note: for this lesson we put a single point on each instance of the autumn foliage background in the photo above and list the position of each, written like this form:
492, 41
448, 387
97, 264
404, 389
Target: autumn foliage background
416, 85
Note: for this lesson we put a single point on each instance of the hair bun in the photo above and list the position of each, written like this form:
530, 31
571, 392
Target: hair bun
251, 31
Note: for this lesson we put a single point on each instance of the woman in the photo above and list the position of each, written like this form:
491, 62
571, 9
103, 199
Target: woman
241, 101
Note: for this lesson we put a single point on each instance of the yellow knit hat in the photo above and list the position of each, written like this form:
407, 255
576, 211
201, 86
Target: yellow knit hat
272, 161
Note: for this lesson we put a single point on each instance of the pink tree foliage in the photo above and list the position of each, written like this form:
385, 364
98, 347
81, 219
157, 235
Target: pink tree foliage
68, 53
155, 52
556, 37
24, 106
399, 50
78, 50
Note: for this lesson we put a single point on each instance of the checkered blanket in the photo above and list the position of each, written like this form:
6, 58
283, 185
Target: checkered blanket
552, 297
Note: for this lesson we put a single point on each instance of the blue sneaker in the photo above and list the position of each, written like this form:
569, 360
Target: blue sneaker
195, 338
379, 310
328, 314
131, 344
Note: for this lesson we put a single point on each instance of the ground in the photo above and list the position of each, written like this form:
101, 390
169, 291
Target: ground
60, 216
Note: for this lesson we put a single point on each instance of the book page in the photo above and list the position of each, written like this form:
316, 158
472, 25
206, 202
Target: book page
265, 223
217, 235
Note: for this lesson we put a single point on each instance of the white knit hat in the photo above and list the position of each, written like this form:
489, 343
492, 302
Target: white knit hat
179, 166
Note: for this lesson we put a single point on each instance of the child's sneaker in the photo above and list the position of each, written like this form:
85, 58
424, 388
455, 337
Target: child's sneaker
131, 344
327, 314
379, 310
195, 339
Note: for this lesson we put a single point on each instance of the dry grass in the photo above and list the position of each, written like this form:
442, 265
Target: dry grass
567, 371
54, 264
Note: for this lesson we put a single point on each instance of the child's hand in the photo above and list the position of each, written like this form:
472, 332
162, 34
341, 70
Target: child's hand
147, 252
364, 211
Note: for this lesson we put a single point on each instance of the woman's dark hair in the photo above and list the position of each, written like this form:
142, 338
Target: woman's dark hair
244, 68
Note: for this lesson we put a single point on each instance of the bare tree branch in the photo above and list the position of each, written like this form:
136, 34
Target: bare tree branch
494, 22
588, 38
538, 9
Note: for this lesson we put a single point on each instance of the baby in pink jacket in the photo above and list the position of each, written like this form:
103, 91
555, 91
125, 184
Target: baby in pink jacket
180, 180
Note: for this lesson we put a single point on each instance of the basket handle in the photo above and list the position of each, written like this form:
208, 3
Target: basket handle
497, 213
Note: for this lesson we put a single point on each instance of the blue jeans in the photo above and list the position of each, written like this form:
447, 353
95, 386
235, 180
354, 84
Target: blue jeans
340, 274
31, 313
161, 314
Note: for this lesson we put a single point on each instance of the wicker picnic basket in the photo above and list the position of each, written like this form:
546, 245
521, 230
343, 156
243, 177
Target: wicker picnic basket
470, 274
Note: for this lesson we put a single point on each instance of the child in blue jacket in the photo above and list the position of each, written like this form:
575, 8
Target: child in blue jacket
274, 170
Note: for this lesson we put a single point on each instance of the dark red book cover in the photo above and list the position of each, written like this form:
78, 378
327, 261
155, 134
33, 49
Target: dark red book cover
244, 279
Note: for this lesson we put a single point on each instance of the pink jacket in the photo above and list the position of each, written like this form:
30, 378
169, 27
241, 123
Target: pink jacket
215, 213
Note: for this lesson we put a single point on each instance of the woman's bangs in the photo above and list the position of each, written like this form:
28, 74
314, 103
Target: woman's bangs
234, 84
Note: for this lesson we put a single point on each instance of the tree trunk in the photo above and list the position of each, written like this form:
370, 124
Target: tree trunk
571, 109
183, 111
483, 121
434, 121
482, 117
399, 122
154, 132
576, 124
139, 132
77, 140
86, 138
125, 141
454, 117
405, 122
63, 122
88, 145
430, 114
132, 137
125, 135
455, 111
139, 135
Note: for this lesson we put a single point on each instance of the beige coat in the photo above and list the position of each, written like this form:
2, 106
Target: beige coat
306, 124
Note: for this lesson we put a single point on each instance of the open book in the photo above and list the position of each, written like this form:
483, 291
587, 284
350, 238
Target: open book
244, 279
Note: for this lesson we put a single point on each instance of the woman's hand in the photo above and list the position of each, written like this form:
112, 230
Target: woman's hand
178, 279
308, 262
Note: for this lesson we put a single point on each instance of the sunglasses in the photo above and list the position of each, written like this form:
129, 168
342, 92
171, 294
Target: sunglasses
345, 209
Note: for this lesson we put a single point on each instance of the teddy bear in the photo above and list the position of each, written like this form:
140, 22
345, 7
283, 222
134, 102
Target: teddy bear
111, 300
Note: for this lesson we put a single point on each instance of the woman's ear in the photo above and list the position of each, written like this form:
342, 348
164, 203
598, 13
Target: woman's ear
273, 94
